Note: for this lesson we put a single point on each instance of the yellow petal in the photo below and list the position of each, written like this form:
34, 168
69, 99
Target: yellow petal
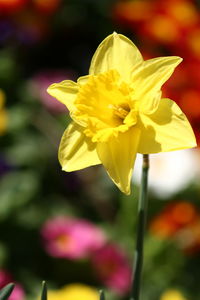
83, 80
3, 121
116, 52
149, 78
172, 295
166, 130
76, 151
65, 92
2, 99
118, 156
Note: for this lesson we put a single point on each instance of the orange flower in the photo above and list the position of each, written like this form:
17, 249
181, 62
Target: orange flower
188, 239
156, 19
174, 217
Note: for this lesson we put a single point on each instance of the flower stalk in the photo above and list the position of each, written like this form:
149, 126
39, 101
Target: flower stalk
142, 216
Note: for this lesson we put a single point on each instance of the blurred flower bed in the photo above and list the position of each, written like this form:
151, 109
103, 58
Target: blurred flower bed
169, 28
75, 230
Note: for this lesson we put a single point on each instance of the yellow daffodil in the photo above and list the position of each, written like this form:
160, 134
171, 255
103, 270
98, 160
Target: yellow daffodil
3, 113
118, 111
74, 292
172, 295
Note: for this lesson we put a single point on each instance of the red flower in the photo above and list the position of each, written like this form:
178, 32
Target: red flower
11, 6
47, 6
113, 268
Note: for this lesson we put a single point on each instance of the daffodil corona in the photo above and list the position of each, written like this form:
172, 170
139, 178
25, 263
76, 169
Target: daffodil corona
118, 111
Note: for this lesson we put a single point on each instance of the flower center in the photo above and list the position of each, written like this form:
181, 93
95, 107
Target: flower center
105, 106
62, 241
120, 111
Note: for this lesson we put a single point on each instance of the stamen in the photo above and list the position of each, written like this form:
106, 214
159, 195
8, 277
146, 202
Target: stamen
119, 110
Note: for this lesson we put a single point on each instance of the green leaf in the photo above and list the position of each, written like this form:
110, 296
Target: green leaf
24, 150
16, 189
3, 253
19, 117
102, 295
44, 291
8, 66
6, 291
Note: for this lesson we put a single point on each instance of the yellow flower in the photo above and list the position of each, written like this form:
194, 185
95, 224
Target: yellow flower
117, 111
74, 292
3, 113
172, 295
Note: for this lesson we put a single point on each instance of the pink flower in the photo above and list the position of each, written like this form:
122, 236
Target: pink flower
112, 267
71, 238
18, 292
5, 278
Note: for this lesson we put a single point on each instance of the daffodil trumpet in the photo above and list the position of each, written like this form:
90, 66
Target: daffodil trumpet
118, 111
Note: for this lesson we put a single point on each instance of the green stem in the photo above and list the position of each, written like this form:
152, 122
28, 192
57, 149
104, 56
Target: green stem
142, 215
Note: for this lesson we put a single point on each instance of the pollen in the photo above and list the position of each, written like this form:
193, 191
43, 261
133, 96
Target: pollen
119, 111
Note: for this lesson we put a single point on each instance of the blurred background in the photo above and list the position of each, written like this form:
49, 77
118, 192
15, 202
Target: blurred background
76, 230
